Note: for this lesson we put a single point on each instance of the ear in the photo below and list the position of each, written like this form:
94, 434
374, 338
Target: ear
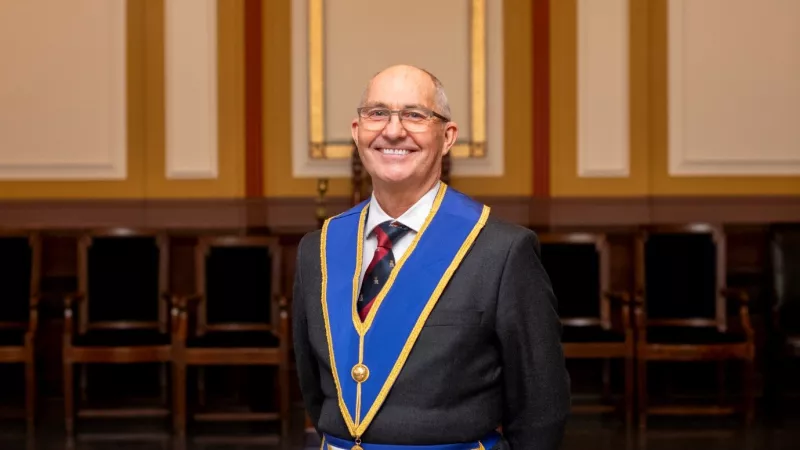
450, 136
354, 130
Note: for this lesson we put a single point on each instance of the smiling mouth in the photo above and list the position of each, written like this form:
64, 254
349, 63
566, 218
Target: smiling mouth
395, 151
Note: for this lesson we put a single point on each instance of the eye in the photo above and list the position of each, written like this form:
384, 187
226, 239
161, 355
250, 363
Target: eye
413, 114
377, 113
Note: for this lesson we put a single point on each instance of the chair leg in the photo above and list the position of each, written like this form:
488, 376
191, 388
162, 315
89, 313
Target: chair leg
69, 393
721, 398
201, 386
162, 382
285, 410
642, 385
179, 398
84, 377
629, 390
607, 380
749, 394
30, 391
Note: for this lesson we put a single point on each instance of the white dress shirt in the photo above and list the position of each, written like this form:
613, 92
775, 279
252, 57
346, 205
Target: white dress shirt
413, 219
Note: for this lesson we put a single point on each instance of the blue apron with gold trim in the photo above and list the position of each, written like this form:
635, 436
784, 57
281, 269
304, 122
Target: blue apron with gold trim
367, 357
484, 444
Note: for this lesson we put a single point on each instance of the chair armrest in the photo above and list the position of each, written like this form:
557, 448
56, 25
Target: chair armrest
182, 307
33, 317
640, 319
623, 300
618, 296
743, 298
183, 302
69, 301
738, 294
283, 306
73, 297
284, 327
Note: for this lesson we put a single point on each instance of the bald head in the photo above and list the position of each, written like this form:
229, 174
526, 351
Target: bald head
413, 74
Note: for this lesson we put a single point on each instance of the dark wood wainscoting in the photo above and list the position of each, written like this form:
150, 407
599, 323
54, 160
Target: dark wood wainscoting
298, 214
747, 221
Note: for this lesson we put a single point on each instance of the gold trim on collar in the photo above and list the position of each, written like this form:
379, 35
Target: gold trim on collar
363, 327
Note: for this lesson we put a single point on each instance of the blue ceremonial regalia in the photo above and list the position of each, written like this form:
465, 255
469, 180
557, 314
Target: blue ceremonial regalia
444, 355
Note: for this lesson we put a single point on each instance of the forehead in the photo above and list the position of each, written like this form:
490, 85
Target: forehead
401, 88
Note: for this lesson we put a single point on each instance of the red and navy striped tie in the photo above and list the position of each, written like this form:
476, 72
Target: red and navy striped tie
381, 265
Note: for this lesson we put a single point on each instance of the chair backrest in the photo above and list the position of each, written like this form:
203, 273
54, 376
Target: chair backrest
578, 265
20, 266
681, 270
239, 279
123, 273
785, 252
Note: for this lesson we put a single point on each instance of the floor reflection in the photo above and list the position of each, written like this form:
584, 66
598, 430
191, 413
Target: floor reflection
582, 433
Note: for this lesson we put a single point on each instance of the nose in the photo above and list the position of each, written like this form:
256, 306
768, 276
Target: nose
394, 130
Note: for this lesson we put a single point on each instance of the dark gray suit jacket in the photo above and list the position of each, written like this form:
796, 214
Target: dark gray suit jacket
489, 355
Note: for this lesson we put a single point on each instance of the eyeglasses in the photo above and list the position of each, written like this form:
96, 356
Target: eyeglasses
415, 120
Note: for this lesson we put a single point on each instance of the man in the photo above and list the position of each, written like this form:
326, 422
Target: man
420, 320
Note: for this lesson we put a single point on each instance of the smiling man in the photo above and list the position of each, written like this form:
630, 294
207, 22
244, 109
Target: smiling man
420, 320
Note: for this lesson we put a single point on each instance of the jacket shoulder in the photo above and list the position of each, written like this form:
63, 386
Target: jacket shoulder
508, 233
309, 243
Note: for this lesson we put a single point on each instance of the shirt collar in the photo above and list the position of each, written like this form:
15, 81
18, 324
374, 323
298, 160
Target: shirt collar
413, 218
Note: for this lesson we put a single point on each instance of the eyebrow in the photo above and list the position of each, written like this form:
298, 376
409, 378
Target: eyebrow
375, 104
384, 105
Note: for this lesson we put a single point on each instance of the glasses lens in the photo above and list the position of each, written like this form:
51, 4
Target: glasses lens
375, 118
413, 119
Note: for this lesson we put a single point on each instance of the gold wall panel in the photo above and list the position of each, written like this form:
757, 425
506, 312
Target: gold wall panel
564, 179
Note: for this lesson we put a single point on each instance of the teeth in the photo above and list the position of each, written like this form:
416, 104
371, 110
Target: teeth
394, 151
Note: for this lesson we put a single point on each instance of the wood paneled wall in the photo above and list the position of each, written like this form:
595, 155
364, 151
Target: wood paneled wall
571, 153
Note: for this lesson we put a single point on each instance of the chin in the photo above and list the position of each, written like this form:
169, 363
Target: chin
394, 177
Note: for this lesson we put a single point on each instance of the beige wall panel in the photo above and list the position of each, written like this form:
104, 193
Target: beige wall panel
734, 87
364, 36
228, 117
603, 89
134, 94
63, 90
360, 37
716, 183
190, 49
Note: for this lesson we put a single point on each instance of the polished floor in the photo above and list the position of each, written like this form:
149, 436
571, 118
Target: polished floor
585, 432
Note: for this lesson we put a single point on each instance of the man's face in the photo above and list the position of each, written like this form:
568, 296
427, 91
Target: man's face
393, 155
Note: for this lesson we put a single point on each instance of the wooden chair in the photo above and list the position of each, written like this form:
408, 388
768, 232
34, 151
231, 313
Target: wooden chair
122, 315
20, 266
785, 327
595, 319
238, 317
682, 310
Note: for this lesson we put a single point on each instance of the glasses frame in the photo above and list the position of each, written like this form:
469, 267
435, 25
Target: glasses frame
430, 113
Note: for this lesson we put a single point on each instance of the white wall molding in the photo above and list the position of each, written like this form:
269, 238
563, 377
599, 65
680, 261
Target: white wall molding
191, 102
603, 137
63, 90
734, 98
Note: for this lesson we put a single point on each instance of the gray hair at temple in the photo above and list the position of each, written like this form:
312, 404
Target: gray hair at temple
440, 103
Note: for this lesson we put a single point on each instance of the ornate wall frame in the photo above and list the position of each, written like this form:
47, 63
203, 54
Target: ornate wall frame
321, 150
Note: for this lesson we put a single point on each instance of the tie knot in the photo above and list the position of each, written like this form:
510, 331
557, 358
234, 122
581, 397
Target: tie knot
389, 232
